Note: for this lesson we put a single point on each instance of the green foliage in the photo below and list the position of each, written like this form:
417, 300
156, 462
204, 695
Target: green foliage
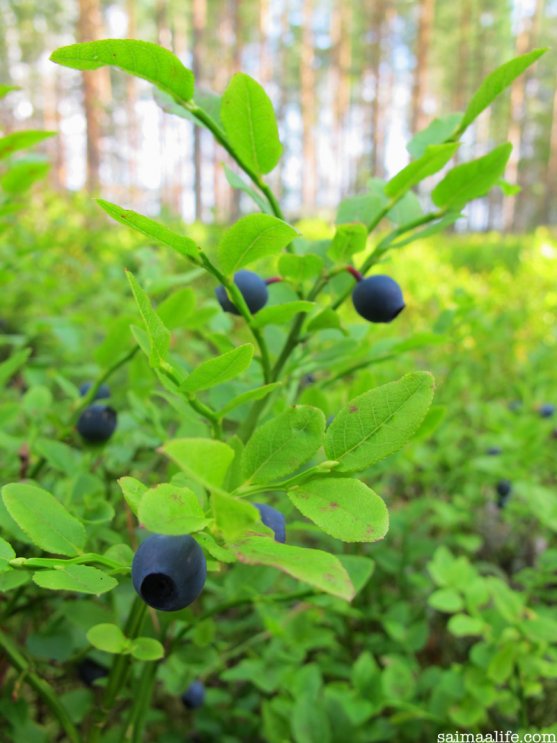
438, 612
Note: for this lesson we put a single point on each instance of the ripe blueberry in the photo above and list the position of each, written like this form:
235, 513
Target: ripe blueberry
194, 695
378, 299
102, 392
274, 520
253, 289
547, 410
504, 490
89, 671
494, 451
97, 423
169, 572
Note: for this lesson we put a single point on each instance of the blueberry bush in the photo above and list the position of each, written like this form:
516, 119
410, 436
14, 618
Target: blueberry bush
190, 540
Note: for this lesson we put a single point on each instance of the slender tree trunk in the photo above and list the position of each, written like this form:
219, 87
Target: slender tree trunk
131, 98
265, 65
236, 22
551, 170
377, 127
524, 42
198, 28
341, 54
283, 91
426, 10
89, 29
308, 92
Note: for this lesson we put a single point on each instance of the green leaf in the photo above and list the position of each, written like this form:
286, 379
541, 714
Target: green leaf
235, 517
146, 648
281, 314
159, 335
21, 140
407, 210
59, 456
177, 308
216, 550
186, 247
434, 159
249, 122
359, 568
206, 100
6, 554
344, 508
251, 238
5, 89
471, 180
324, 320
44, 519
495, 83
349, 238
379, 422
205, 460
219, 369
300, 268
108, 637
140, 58
256, 394
363, 208
22, 175
446, 599
133, 491
9, 367
283, 444
317, 568
462, 625
79, 578
239, 184
433, 229
501, 664
437, 132
169, 509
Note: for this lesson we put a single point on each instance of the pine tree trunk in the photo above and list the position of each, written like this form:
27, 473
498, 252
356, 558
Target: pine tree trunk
426, 12
308, 83
131, 98
90, 29
198, 28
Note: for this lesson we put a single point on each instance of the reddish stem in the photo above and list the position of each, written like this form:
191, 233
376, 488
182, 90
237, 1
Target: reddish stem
273, 280
354, 272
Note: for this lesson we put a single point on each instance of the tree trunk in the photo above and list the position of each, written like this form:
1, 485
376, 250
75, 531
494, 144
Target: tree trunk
377, 120
308, 83
89, 29
131, 98
517, 122
426, 12
198, 28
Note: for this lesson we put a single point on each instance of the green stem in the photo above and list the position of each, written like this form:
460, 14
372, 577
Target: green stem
87, 399
220, 136
118, 672
141, 703
240, 303
52, 562
42, 687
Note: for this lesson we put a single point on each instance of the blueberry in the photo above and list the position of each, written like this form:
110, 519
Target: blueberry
274, 520
89, 671
97, 423
169, 572
494, 451
378, 299
102, 393
504, 490
547, 410
253, 289
194, 695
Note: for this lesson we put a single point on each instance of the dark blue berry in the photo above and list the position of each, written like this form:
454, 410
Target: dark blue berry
253, 289
494, 451
274, 520
194, 696
547, 410
378, 299
102, 393
169, 572
97, 423
89, 671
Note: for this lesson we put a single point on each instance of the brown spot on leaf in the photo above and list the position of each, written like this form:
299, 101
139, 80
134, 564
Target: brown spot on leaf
353, 409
